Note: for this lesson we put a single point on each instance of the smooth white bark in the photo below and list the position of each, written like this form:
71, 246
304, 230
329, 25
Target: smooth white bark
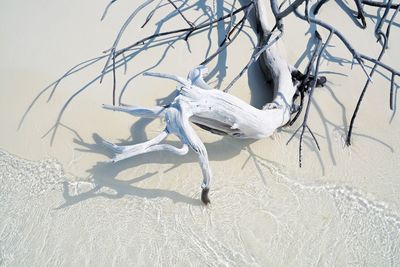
217, 111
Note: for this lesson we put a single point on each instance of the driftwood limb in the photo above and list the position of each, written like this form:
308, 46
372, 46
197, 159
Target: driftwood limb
385, 37
319, 50
379, 4
361, 57
217, 111
180, 13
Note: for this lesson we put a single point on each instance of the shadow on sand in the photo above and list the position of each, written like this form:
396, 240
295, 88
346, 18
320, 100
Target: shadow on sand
104, 174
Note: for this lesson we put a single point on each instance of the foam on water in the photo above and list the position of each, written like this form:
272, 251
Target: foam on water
50, 219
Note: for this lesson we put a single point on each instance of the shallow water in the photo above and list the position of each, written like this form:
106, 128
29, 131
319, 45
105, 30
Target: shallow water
50, 219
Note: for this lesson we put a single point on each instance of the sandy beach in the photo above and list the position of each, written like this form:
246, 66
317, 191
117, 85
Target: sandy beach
62, 204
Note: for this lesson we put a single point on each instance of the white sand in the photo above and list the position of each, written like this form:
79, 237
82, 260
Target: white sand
62, 205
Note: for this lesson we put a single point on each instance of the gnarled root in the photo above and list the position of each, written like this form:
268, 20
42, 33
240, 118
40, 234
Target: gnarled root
177, 116
124, 152
215, 111
212, 110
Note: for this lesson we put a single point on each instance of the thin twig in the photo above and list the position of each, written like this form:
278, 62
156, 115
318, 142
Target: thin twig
378, 29
239, 26
360, 13
188, 30
252, 60
392, 82
358, 56
293, 135
304, 124
180, 13
348, 139
106, 9
313, 136
379, 4
391, 22
120, 33
231, 12
305, 79
280, 15
319, 5
151, 14
114, 78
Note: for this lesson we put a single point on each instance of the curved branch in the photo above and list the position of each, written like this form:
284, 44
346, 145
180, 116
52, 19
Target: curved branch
348, 139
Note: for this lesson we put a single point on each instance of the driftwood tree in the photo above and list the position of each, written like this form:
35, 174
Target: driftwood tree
216, 110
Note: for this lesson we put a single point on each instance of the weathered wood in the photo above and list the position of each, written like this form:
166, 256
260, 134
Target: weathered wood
215, 110
221, 113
